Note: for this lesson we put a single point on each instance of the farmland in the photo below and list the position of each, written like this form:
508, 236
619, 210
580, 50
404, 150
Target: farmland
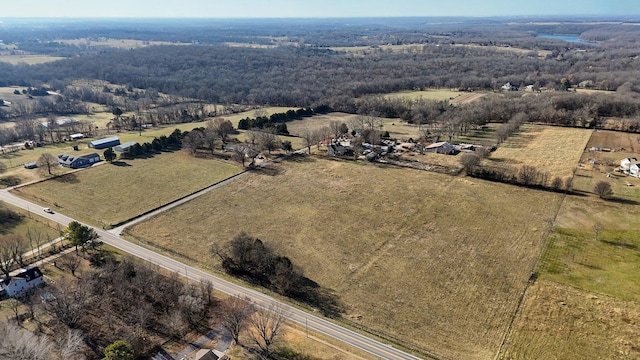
28, 59
550, 149
401, 262
110, 193
586, 298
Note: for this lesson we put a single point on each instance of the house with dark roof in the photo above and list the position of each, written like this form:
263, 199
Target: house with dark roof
104, 143
77, 162
21, 282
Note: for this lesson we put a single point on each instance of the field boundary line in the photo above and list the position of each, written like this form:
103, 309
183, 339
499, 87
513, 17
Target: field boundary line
532, 279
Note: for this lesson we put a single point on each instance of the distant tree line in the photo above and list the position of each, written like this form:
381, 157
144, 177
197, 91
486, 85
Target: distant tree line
306, 76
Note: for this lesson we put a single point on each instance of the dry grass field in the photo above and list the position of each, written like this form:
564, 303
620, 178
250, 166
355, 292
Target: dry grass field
585, 303
116, 43
554, 150
561, 322
439, 94
28, 59
397, 128
110, 193
434, 261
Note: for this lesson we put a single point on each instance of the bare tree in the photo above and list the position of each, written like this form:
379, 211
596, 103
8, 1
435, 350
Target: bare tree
220, 128
603, 189
597, 229
48, 162
71, 261
267, 327
12, 249
234, 312
19, 343
240, 153
528, 175
470, 161
67, 303
3, 168
72, 346
309, 138
268, 140
193, 141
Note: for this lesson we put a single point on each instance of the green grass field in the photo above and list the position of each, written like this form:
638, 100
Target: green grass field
585, 302
31, 222
110, 193
417, 256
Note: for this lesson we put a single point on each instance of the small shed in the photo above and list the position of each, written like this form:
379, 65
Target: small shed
77, 136
105, 143
124, 147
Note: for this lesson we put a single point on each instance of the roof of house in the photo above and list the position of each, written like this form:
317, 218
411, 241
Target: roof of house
69, 159
105, 141
125, 146
206, 354
28, 275
438, 144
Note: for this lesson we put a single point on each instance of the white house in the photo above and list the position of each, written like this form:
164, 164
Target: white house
27, 279
634, 169
626, 163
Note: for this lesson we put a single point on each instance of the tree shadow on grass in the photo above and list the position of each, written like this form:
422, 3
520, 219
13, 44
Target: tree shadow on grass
67, 179
621, 244
268, 170
325, 300
290, 354
120, 163
300, 158
623, 201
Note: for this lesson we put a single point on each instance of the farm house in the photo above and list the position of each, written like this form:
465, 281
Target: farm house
441, 148
25, 280
76, 162
105, 143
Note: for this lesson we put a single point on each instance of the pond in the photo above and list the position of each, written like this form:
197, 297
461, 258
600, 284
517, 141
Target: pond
567, 38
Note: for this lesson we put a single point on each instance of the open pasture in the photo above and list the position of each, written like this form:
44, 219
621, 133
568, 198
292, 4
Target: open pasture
116, 43
111, 193
416, 256
28, 59
435, 94
561, 322
397, 128
553, 150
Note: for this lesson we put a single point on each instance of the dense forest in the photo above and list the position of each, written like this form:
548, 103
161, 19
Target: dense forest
469, 56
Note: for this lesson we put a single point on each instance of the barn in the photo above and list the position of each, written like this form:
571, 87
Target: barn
105, 143
125, 147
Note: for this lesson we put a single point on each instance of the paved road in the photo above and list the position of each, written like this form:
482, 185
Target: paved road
313, 323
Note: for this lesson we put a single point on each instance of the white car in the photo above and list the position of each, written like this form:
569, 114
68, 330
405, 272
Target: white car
47, 210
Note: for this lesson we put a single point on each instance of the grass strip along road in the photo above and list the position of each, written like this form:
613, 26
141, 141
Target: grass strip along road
314, 323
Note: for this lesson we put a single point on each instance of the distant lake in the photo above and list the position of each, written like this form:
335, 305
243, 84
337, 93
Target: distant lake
567, 38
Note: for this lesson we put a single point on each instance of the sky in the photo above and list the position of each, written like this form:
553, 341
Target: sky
309, 8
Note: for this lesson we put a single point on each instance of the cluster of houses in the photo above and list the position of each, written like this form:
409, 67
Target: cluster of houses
343, 147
